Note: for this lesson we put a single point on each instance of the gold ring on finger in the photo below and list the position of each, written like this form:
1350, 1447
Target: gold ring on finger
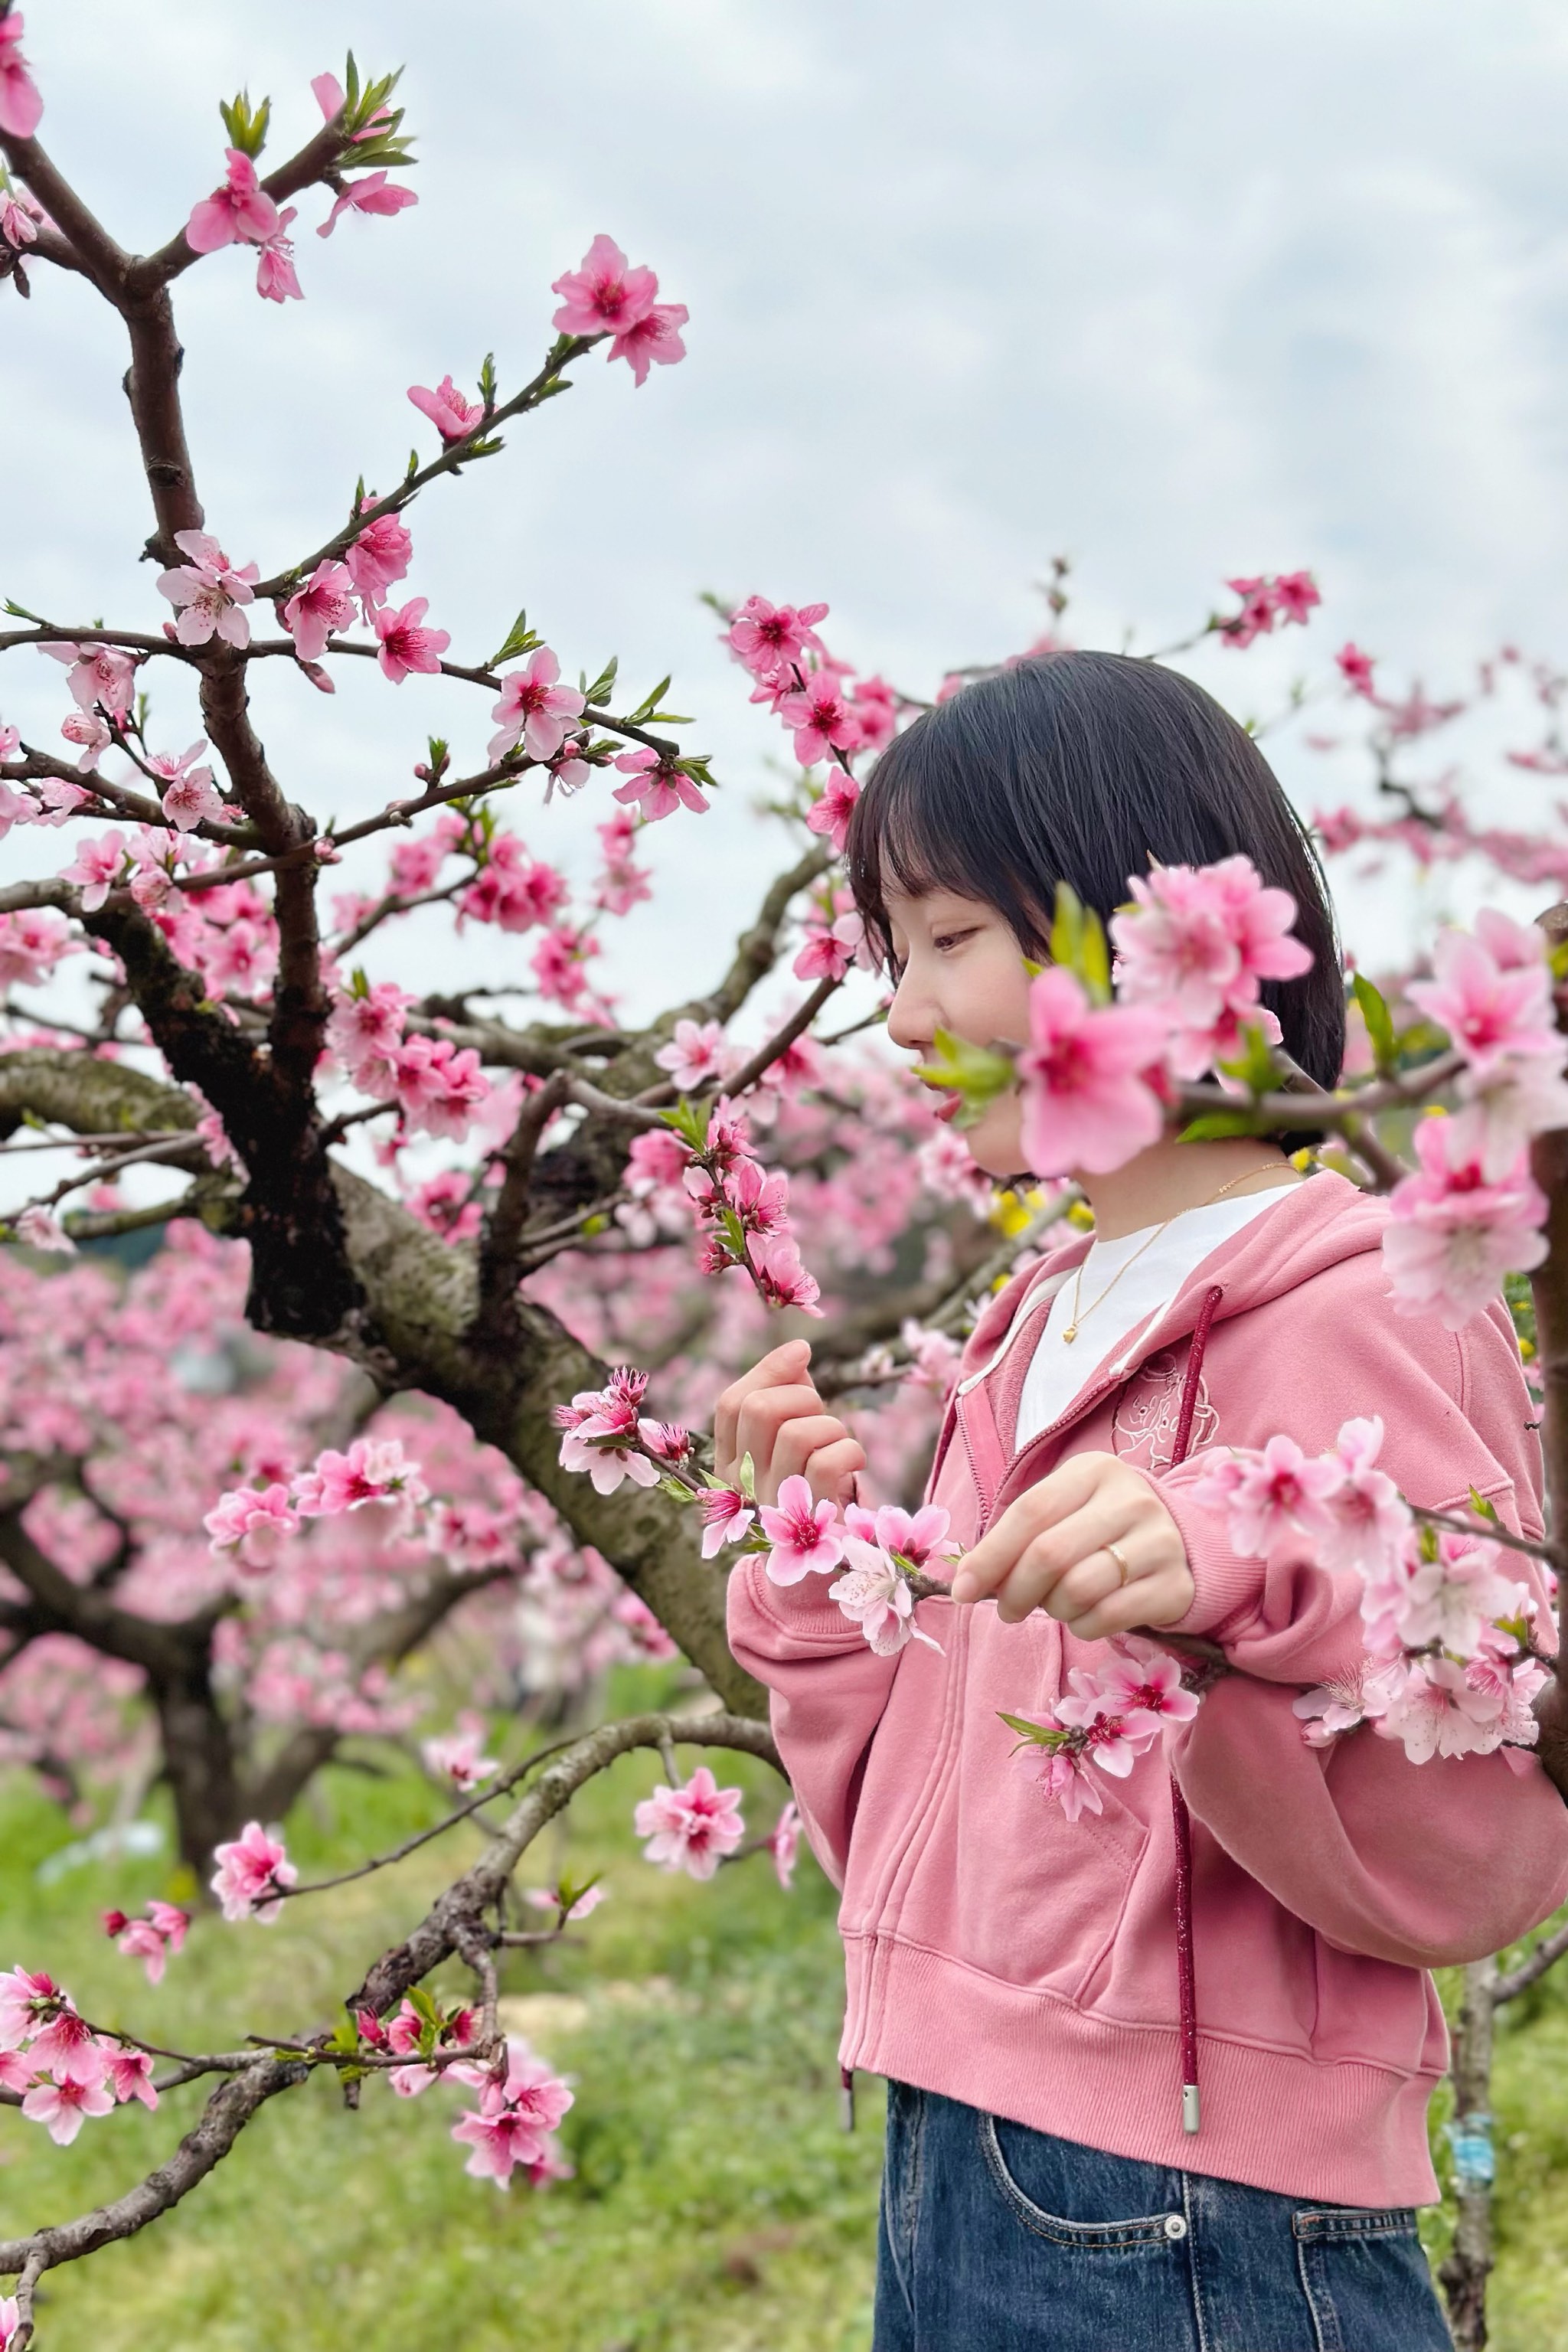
1123, 1572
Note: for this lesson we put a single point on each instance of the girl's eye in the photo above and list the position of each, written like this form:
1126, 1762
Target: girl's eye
945, 939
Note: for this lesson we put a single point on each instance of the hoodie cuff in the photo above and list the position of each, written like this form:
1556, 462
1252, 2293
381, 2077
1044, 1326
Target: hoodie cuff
1227, 1588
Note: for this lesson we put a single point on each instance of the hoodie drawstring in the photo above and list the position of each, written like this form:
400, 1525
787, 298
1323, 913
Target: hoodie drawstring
1181, 1819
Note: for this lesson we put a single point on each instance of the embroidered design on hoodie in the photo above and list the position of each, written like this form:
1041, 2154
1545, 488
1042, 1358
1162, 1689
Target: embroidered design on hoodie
1144, 1425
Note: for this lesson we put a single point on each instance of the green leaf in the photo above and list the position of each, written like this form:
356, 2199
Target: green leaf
1039, 1734
644, 710
1212, 1125
668, 719
1427, 1542
247, 130
1483, 1507
1078, 943
1379, 1022
20, 613
425, 2007
603, 685
676, 1491
976, 1072
359, 984
520, 639
1255, 1068
487, 380
591, 1228
746, 1477
689, 1120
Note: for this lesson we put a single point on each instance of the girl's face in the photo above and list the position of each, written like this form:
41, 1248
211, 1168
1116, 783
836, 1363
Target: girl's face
960, 967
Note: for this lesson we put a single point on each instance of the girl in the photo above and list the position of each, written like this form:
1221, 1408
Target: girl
1077, 2159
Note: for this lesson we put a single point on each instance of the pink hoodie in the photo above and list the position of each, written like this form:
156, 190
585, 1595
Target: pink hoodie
1004, 1956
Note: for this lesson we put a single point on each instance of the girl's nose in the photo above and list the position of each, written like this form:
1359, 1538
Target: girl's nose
910, 1026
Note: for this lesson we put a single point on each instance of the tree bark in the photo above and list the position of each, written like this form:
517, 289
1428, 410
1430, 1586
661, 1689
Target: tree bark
1469, 2261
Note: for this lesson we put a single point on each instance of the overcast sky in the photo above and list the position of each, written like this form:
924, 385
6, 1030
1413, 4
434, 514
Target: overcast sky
1181, 291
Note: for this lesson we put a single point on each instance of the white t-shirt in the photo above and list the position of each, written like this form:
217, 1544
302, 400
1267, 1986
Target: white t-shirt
1059, 1371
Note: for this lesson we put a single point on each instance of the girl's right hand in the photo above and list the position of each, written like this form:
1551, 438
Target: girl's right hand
774, 1414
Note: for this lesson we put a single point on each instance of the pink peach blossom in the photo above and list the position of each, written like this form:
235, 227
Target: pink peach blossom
821, 719
1451, 1234
775, 1262
1272, 1496
97, 867
455, 1756
276, 280
534, 710
253, 1523
374, 193
1492, 1012
380, 555
62, 2106
21, 107
208, 592
692, 1827
726, 1517
67, 2047
804, 1536
453, 417
41, 1230
94, 736
515, 2119
657, 785
373, 1470
784, 1845
1355, 668
101, 678
324, 604
191, 797
604, 296
830, 813
874, 1594
768, 639
653, 341
251, 1870
129, 2071
698, 1056
240, 210
1086, 1100
405, 644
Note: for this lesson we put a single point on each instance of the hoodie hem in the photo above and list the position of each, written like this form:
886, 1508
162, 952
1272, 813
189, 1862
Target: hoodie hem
1347, 2131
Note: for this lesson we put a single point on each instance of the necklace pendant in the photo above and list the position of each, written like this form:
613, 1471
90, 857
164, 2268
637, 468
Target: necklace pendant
1069, 1334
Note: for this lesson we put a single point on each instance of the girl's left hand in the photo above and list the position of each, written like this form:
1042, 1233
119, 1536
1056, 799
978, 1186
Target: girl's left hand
1049, 1549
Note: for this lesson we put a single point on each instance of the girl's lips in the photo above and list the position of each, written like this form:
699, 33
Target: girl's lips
949, 1107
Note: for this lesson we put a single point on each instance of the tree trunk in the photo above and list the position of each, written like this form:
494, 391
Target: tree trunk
1463, 2273
199, 1760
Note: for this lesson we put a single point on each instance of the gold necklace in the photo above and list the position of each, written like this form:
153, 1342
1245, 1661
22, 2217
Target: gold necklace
1070, 1329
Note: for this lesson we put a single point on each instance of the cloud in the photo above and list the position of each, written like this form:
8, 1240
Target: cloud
1184, 292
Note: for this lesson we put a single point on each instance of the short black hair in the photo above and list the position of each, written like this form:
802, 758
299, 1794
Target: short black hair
1087, 768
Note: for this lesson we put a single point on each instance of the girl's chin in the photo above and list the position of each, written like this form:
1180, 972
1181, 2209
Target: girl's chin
995, 1145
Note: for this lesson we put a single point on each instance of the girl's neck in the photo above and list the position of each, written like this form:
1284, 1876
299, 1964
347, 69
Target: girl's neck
1171, 1176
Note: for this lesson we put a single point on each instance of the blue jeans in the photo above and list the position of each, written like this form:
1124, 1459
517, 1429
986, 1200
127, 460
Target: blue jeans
998, 2239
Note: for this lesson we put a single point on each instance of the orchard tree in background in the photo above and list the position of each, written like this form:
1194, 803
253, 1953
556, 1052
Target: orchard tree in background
474, 1378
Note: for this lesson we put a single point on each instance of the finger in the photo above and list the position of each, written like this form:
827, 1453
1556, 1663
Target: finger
761, 1416
1150, 1601
831, 1473
1068, 1569
785, 1364
1054, 1500
802, 1436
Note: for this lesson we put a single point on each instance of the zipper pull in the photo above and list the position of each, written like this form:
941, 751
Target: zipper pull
847, 2097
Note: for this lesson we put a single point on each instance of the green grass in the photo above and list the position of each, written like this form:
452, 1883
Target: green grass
716, 2206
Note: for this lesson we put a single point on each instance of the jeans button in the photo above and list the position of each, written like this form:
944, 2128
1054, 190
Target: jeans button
1175, 2226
